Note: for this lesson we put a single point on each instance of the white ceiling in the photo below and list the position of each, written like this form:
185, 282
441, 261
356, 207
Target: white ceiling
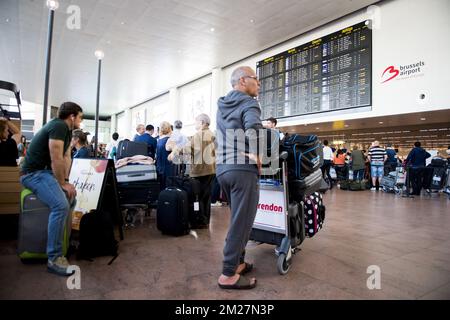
150, 45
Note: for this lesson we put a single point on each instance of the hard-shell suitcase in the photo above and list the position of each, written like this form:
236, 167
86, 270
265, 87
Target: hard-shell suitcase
138, 172
127, 148
33, 228
172, 216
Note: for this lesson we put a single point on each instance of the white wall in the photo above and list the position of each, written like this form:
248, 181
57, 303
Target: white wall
104, 130
405, 32
194, 99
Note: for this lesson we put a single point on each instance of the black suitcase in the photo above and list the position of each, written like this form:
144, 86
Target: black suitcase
127, 148
306, 185
172, 216
142, 192
193, 189
296, 224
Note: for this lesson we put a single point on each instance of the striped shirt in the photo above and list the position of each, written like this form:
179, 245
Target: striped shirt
377, 155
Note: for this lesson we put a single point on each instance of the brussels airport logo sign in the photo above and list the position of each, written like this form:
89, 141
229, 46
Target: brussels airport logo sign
403, 72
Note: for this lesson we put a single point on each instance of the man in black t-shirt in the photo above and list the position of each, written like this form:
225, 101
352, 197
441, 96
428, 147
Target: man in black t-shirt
45, 172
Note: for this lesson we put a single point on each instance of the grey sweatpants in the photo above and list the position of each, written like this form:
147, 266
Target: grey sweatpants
242, 191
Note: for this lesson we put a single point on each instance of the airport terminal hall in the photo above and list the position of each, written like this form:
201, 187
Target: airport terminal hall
251, 151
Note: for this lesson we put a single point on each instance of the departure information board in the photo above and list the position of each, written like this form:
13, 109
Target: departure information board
330, 73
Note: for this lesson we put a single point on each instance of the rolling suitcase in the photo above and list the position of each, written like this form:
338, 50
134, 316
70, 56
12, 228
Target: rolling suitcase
172, 216
138, 172
127, 148
33, 228
137, 184
192, 188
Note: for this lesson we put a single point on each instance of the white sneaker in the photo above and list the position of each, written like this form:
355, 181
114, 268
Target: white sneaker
373, 189
217, 204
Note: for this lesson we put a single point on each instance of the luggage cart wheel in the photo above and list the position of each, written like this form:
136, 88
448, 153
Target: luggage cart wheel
283, 264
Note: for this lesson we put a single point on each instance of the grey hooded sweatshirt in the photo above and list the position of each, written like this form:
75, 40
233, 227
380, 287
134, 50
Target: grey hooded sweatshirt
238, 121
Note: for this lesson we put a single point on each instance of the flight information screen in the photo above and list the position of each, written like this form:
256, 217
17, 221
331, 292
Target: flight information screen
326, 74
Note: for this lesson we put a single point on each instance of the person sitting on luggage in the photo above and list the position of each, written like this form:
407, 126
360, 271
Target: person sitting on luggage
79, 141
203, 166
164, 167
147, 137
377, 157
238, 168
140, 130
45, 172
416, 160
111, 148
8, 143
358, 163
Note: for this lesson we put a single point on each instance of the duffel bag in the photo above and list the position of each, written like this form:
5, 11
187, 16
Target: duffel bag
314, 211
305, 155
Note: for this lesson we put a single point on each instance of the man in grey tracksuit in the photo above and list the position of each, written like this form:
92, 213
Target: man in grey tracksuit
238, 125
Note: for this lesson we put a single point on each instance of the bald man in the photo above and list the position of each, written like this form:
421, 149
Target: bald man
237, 171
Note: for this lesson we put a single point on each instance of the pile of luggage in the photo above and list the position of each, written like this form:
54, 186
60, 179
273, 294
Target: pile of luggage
304, 162
355, 185
436, 175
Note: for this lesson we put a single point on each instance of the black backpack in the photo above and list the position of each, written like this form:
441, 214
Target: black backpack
96, 237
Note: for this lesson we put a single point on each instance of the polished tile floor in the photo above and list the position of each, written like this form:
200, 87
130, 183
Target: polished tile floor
408, 239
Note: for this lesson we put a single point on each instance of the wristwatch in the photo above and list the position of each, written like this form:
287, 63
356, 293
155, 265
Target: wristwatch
66, 180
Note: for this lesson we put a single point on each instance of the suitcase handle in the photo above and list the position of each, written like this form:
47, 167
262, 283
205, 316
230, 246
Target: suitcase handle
136, 175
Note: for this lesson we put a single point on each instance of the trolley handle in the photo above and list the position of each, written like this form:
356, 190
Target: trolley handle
284, 155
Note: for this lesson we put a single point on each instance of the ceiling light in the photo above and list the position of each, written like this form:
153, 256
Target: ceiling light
252, 21
122, 23
423, 119
212, 29
52, 4
7, 20
99, 54
381, 122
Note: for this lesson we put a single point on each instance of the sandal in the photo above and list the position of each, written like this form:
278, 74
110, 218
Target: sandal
243, 283
248, 267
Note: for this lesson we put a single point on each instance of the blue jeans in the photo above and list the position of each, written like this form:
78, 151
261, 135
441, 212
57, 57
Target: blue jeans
358, 174
44, 185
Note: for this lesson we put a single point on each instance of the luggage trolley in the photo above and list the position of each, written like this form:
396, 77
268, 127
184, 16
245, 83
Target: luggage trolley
271, 223
395, 181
